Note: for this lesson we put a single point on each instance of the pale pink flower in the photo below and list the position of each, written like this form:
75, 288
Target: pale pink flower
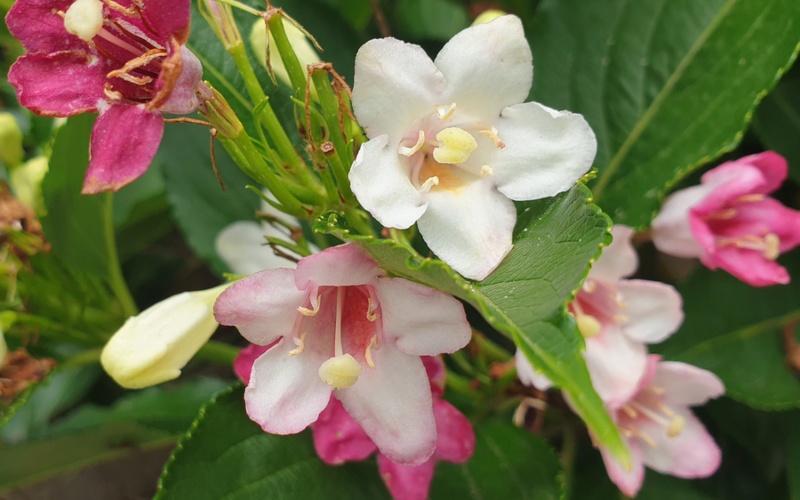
123, 59
344, 328
617, 317
729, 222
660, 430
452, 143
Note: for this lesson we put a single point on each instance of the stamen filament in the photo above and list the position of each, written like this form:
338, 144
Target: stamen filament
445, 114
413, 149
301, 345
315, 304
492, 134
368, 352
338, 351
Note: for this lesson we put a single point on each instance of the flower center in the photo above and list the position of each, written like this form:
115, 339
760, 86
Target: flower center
722, 221
596, 305
354, 315
439, 148
649, 406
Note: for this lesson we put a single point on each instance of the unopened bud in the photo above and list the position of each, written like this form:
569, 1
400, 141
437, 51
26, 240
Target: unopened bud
10, 140
488, 16
26, 180
302, 47
220, 17
219, 113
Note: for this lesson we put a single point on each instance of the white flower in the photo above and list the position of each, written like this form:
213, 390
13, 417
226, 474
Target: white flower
154, 345
451, 146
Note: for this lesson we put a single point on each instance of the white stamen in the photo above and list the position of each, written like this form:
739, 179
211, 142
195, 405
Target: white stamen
413, 149
445, 114
487, 171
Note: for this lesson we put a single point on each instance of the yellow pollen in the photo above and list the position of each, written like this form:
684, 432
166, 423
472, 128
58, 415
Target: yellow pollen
310, 312
769, 245
84, 19
772, 246
492, 134
487, 171
588, 326
368, 352
300, 343
675, 426
413, 149
589, 286
371, 314
456, 144
751, 198
340, 372
445, 113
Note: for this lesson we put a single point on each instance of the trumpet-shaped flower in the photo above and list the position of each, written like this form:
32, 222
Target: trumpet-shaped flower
660, 430
122, 58
617, 317
344, 328
451, 146
729, 222
154, 345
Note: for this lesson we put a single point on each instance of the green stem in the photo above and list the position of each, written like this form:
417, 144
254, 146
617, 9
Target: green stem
288, 56
116, 280
88, 357
218, 352
330, 110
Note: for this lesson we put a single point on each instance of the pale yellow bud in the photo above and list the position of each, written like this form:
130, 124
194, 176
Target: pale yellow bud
27, 182
488, 16
305, 52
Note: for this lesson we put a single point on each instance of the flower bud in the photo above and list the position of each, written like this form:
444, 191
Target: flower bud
154, 345
302, 47
3, 348
27, 182
220, 17
11, 152
488, 16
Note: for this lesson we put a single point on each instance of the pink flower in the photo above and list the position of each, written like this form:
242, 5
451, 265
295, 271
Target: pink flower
660, 430
617, 317
124, 59
344, 328
728, 221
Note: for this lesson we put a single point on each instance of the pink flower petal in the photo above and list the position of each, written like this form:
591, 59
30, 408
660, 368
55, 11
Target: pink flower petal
672, 233
392, 403
285, 394
167, 19
653, 311
619, 259
685, 384
748, 266
771, 165
765, 216
338, 438
424, 320
407, 482
40, 83
455, 439
243, 364
262, 306
37, 25
616, 364
183, 98
629, 482
124, 141
434, 368
345, 265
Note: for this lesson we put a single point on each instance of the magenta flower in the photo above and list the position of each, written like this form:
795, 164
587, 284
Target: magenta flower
729, 222
124, 59
617, 317
344, 328
660, 430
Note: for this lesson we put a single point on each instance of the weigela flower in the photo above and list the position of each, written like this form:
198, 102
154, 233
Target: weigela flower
122, 58
617, 317
154, 345
660, 430
339, 439
451, 146
729, 222
344, 328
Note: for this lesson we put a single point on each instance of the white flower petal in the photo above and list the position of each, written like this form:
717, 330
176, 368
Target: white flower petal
425, 321
528, 374
487, 67
685, 384
545, 151
671, 231
392, 402
653, 310
242, 246
381, 182
285, 394
395, 84
628, 481
619, 259
470, 227
616, 364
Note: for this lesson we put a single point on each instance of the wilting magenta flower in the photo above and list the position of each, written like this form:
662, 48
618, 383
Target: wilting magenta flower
660, 430
452, 143
617, 317
344, 328
124, 59
729, 222
339, 439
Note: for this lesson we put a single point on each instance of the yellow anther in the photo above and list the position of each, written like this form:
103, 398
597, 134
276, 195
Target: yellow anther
588, 325
751, 198
429, 183
340, 372
630, 411
371, 314
620, 318
413, 149
112, 94
445, 113
589, 286
368, 352
492, 134
84, 19
726, 214
772, 246
310, 312
300, 343
675, 426
487, 171
456, 144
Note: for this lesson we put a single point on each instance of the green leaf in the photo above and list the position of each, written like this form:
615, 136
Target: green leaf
666, 85
524, 297
75, 224
777, 121
508, 463
200, 206
793, 461
226, 455
735, 331
430, 19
